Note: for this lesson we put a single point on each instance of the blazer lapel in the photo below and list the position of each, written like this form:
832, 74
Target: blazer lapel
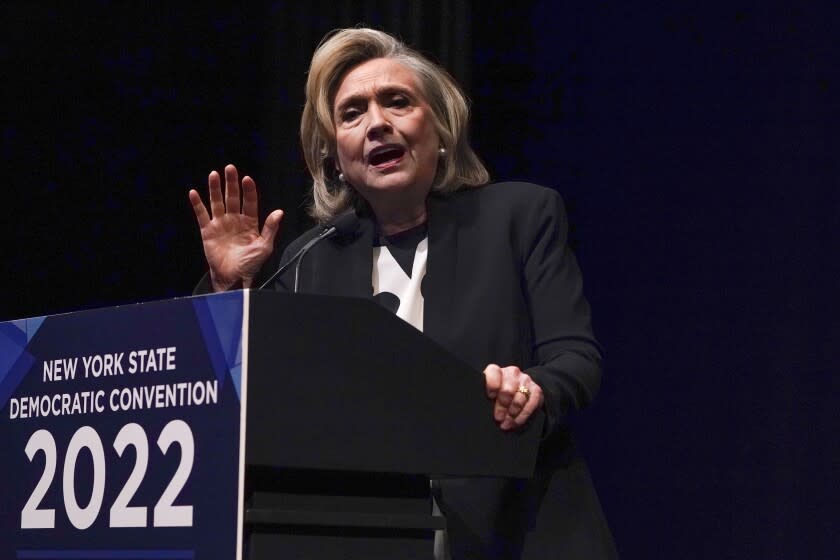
348, 263
439, 283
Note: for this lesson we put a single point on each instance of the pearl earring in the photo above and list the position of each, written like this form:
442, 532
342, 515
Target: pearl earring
442, 151
341, 177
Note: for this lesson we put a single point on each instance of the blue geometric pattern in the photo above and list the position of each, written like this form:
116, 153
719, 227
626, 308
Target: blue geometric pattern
220, 320
15, 361
29, 326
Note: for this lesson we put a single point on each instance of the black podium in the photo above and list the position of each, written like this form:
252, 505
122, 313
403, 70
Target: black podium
123, 431
350, 412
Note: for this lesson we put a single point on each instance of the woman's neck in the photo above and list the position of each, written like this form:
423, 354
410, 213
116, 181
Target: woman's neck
394, 220
396, 225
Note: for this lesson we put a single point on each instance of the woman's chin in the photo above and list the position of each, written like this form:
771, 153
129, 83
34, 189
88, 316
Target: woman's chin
390, 180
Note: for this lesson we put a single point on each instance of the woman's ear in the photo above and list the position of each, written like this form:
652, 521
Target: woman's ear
331, 167
332, 172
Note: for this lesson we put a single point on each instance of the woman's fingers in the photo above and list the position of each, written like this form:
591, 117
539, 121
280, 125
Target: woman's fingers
516, 396
510, 384
510, 400
229, 201
226, 209
492, 380
270, 227
534, 401
198, 207
249, 197
214, 185
232, 202
517, 404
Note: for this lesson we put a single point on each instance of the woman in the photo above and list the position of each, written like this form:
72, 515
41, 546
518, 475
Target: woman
482, 269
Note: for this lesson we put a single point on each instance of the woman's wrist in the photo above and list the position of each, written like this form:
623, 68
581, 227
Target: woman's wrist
223, 286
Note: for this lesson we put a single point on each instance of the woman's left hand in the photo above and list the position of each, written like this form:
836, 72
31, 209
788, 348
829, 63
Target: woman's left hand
516, 395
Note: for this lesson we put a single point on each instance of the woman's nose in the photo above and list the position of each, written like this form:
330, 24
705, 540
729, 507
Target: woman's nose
378, 123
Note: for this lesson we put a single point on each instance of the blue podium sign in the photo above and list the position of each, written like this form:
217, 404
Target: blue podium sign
123, 431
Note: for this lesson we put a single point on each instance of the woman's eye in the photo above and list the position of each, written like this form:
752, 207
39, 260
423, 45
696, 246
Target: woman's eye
399, 102
350, 114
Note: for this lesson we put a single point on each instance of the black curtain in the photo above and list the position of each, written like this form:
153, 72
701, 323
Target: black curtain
113, 111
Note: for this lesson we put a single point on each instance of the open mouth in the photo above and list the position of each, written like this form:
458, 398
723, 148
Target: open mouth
384, 155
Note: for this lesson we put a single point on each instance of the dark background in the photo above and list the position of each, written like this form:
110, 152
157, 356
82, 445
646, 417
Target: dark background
696, 148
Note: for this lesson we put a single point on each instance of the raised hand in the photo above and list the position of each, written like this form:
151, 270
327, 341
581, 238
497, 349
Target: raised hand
516, 396
233, 244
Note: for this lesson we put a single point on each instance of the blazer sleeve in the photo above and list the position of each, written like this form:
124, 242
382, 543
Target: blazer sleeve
567, 355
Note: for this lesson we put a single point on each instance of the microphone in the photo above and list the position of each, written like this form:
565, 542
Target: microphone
340, 226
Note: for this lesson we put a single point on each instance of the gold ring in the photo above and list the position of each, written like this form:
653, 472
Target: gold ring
524, 390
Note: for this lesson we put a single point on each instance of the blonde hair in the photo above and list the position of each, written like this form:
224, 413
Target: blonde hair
338, 53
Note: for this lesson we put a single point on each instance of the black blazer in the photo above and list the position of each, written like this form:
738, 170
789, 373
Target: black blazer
502, 287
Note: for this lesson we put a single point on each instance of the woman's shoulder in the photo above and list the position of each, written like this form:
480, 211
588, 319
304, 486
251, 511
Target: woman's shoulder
510, 190
347, 232
512, 196
297, 243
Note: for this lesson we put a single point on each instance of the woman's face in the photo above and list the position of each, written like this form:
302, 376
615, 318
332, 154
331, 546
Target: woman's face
385, 135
